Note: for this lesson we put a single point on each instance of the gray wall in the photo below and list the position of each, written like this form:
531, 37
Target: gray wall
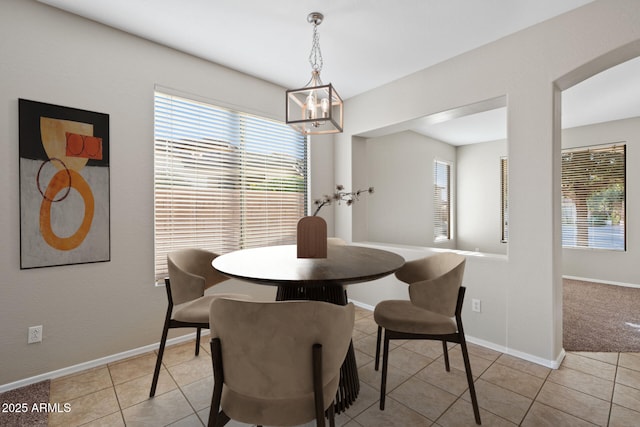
400, 167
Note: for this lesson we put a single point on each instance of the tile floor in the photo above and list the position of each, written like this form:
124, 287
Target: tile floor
589, 389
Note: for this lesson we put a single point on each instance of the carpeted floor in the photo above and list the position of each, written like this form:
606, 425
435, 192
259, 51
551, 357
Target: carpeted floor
600, 318
21, 407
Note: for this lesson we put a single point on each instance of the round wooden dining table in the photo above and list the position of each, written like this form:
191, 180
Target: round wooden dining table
319, 279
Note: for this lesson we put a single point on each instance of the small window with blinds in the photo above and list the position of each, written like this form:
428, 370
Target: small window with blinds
594, 197
504, 199
224, 180
441, 201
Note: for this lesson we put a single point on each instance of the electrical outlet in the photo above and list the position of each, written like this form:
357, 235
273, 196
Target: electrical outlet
35, 334
475, 305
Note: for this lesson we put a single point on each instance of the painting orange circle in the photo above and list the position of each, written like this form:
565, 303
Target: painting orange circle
59, 182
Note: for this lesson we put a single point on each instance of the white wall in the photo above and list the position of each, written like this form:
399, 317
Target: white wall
529, 68
479, 202
400, 167
479, 199
97, 310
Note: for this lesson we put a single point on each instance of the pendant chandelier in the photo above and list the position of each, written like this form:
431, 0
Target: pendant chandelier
316, 108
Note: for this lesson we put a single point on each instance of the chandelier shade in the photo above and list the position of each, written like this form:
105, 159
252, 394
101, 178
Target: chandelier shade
317, 108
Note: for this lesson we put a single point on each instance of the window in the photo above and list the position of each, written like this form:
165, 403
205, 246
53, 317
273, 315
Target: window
504, 199
224, 180
441, 201
593, 197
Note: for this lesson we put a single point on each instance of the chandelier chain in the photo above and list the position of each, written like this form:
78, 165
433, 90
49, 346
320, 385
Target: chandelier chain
315, 56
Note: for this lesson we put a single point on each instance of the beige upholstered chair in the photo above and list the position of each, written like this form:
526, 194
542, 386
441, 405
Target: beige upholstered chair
190, 274
277, 363
433, 312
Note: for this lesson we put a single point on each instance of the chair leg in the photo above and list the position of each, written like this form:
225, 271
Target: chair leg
198, 341
445, 351
217, 419
378, 347
156, 371
316, 353
385, 360
332, 415
472, 389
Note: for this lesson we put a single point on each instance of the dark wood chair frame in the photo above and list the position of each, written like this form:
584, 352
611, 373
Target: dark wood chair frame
170, 323
218, 418
457, 337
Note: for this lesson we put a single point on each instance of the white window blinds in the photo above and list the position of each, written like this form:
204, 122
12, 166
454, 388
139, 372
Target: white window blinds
441, 200
224, 180
593, 197
504, 199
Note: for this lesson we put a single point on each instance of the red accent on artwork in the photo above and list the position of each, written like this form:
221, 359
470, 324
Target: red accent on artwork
84, 146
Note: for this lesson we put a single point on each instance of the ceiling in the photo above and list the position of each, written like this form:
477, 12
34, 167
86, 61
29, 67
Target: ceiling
364, 45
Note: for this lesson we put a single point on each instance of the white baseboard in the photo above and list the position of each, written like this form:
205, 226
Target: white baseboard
95, 363
553, 364
604, 282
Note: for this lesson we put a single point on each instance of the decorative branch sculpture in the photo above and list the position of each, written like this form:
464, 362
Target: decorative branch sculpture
340, 196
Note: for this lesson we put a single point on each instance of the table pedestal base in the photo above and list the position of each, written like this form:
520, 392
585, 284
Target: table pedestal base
349, 386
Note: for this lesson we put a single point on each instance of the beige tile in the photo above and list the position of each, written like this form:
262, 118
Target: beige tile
129, 369
460, 414
591, 366
180, 353
191, 371
575, 403
159, 411
66, 388
367, 397
623, 417
87, 408
407, 360
514, 380
423, 398
366, 325
369, 375
630, 361
430, 348
484, 352
394, 415
367, 345
454, 381
190, 421
500, 401
113, 420
586, 383
610, 358
628, 397
137, 390
203, 415
342, 419
524, 366
362, 312
628, 377
353, 423
363, 358
358, 335
478, 364
199, 393
545, 416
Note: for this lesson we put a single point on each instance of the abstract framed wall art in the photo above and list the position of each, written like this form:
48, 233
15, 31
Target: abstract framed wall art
64, 185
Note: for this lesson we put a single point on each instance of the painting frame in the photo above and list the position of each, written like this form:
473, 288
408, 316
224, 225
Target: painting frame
64, 179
